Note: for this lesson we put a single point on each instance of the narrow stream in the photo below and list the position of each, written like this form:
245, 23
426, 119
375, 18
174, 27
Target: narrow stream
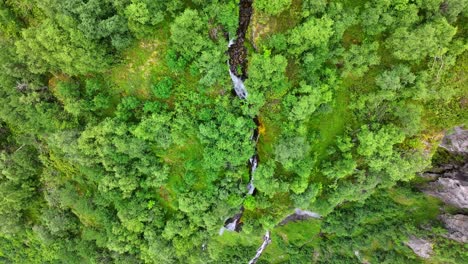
237, 65
238, 72
237, 50
266, 241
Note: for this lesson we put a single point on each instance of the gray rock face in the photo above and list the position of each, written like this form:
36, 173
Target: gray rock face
299, 215
450, 184
457, 227
450, 181
457, 141
420, 247
451, 191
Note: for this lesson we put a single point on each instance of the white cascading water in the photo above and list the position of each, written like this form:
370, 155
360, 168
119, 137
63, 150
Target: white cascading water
250, 187
221, 230
253, 163
232, 226
239, 86
241, 92
298, 211
266, 241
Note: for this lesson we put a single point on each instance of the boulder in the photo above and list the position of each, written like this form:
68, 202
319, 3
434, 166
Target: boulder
457, 227
451, 191
456, 141
420, 247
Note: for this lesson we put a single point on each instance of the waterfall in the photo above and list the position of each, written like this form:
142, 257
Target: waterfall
266, 241
237, 60
310, 214
299, 215
239, 86
253, 166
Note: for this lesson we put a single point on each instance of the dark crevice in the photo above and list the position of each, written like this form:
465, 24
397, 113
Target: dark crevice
237, 51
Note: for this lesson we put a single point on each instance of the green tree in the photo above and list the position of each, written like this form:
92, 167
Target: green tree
50, 47
144, 15
187, 34
163, 88
272, 7
313, 33
358, 59
266, 181
452, 9
305, 100
267, 79
291, 149
155, 128
430, 39
18, 186
312, 7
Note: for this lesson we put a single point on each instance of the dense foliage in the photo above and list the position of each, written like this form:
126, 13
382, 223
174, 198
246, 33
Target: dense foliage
121, 140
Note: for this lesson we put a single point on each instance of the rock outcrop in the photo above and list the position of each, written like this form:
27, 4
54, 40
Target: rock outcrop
456, 142
451, 191
457, 227
450, 180
421, 247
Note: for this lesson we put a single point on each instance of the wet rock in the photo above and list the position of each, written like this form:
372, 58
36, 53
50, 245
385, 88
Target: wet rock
457, 227
453, 171
237, 50
430, 176
420, 247
456, 141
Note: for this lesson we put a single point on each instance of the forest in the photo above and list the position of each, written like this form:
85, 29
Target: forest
233, 131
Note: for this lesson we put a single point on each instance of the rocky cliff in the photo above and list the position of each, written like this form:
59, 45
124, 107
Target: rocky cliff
451, 176
449, 182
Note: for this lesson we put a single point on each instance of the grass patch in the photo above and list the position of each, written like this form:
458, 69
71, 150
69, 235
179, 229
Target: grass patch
181, 158
234, 239
331, 124
294, 234
423, 207
141, 61
264, 25
242, 244
270, 130
299, 233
